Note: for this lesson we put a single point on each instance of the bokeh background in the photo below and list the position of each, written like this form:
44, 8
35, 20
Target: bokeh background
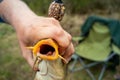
12, 64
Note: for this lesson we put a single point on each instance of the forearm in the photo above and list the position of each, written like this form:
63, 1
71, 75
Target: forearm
15, 12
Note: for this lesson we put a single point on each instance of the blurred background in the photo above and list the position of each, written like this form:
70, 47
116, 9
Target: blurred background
12, 64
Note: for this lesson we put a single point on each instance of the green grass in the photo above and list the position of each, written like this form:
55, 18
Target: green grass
12, 65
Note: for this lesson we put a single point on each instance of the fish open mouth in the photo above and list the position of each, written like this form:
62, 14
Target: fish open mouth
46, 49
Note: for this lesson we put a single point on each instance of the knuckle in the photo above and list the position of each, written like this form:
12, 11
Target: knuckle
69, 37
68, 41
53, 20
65, 45
58, 32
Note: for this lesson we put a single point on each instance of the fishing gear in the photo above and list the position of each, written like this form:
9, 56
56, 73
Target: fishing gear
56, 10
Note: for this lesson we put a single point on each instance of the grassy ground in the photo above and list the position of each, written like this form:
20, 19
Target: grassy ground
14, 67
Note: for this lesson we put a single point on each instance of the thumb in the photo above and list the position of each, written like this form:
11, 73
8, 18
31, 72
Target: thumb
27, 54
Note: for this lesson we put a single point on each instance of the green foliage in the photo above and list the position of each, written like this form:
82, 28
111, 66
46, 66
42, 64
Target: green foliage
12, 65
40, 7
77, 6
5, 30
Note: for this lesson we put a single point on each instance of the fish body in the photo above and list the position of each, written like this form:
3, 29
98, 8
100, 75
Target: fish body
51, 70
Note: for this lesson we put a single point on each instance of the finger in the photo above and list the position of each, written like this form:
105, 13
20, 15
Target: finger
57, 34
64, 41
69, 52
27, 54
63, 38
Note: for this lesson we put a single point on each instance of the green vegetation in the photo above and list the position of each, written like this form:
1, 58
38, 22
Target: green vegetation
12, 65
40, 7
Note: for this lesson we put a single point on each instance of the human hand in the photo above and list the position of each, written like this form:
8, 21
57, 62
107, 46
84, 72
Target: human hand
31, 28
40, 28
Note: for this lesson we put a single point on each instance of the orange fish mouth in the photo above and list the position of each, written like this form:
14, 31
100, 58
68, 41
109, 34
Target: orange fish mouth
46, 49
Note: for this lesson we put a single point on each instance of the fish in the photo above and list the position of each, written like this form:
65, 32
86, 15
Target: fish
49, 64
51, 70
